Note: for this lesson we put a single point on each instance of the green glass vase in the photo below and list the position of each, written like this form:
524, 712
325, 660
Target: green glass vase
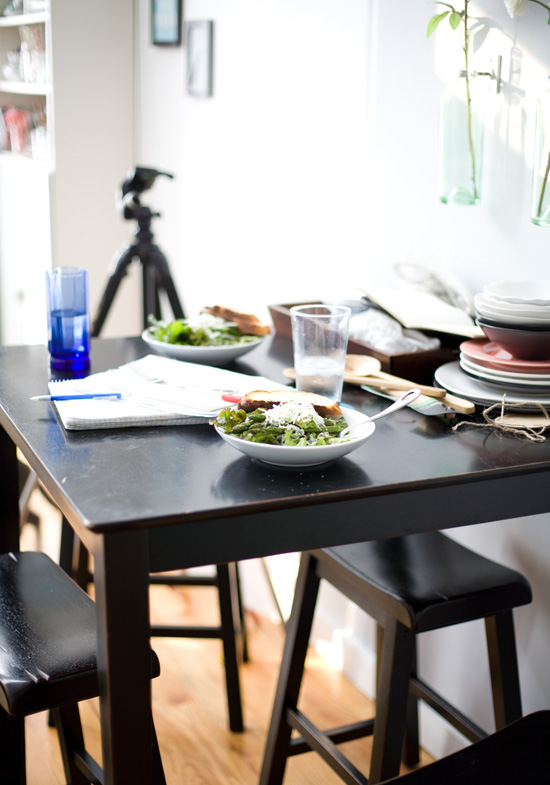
461, 132
540, 202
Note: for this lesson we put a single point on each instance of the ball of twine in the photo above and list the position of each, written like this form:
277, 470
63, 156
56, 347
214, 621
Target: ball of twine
522, 431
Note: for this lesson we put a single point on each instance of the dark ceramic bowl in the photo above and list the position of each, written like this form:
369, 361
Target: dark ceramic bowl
529, 326
523, 343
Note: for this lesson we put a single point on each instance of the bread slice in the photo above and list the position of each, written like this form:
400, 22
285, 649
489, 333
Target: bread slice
246, 322
266, 399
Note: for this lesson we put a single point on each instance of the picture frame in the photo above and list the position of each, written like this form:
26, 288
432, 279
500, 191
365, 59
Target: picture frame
166, 22
199, 39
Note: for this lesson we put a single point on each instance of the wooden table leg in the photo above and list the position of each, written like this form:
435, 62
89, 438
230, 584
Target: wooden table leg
124, 656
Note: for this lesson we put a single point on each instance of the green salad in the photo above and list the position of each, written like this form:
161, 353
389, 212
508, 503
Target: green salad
204, 330
290, 424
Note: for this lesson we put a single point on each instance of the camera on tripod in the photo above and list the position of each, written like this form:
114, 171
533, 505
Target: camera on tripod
138, 180
156, 277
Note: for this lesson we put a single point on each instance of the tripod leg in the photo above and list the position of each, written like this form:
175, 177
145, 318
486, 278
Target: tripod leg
119, 271
164, 281
151, 299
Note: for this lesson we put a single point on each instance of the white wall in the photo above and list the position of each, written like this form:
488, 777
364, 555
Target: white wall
312, 170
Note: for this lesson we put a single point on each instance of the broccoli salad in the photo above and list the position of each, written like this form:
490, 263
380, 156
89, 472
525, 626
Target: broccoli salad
290, 424
203, 330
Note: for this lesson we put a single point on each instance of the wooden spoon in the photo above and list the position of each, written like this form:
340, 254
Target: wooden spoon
361, 365
383, 384
458, 404
378, 381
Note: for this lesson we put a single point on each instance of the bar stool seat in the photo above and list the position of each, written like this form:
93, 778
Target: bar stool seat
409, 585
48, 662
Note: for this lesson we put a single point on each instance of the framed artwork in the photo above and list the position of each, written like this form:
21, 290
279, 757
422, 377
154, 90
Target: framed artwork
166, 22
199, 38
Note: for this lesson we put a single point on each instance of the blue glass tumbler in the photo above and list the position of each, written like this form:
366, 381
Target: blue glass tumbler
68, 318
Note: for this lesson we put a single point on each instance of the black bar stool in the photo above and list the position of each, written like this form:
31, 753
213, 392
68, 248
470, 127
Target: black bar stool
48, 662
408, 585
516, 755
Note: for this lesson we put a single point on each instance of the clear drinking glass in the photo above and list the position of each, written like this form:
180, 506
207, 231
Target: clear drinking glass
320, 341
68, 318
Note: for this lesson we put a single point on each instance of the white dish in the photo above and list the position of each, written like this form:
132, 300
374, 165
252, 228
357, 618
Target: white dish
517, 385
524, 292
208, 355
296, 457
505, 307
452, 378
510, 313
506, 376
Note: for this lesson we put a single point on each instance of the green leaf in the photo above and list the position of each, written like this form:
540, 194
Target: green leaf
434, 22
455, 19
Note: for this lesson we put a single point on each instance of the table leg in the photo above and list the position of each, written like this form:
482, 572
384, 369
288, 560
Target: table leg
124, 656
9, 493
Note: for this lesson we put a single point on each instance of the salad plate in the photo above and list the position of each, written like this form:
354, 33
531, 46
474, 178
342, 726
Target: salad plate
208, 355
296, 457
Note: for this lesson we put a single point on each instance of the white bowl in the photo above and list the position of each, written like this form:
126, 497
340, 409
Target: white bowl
207, 355
296, 457
506, 307
525, 292
513, 314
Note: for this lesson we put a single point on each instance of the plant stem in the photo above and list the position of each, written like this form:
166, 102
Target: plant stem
543, 187
469, 101
544, 5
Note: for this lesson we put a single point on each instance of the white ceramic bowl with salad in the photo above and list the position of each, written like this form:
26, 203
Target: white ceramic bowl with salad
297, 457
219, 343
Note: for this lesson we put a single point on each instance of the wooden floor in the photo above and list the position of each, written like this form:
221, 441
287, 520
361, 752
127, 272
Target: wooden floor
189, 700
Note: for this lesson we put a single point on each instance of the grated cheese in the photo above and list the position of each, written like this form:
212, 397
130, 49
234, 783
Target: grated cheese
208, 322
290, 412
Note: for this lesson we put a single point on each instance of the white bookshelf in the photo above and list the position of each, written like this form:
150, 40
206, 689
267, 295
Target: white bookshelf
61, 210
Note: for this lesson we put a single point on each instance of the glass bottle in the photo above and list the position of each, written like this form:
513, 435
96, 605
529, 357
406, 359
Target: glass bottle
461, 131
540, 201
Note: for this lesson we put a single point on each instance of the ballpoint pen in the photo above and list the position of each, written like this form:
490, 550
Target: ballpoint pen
87, 396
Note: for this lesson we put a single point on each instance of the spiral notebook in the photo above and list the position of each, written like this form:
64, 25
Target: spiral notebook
155, 391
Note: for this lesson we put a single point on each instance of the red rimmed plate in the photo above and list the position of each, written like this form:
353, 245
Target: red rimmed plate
492, 355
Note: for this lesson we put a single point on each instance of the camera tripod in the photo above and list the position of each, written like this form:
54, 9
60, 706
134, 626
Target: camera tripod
156, 275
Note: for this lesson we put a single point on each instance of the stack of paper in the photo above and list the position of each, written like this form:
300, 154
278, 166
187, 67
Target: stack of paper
156, 391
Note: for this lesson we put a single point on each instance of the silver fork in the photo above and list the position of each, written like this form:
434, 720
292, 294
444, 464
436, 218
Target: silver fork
406, 399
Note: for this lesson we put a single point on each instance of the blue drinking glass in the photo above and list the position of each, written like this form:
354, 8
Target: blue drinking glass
68, 318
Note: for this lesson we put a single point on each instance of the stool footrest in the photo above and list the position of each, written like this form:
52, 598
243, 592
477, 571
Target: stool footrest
339, 735
89, 767
454, 716
182, 580
318, 741
170, 631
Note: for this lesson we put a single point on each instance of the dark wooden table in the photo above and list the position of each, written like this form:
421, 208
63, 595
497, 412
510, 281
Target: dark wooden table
148, 499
